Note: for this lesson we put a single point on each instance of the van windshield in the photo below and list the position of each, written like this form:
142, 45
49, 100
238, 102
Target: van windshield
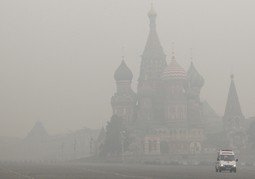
227, 157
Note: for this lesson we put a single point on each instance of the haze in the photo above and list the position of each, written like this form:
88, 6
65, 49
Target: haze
58, 57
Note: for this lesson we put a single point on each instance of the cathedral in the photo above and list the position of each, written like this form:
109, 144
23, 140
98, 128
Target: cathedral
166, 115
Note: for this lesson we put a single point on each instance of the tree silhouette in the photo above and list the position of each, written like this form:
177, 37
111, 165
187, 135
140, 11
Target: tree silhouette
251, 135
113, 139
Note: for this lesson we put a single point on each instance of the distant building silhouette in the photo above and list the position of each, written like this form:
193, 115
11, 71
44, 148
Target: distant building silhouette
40, 146
37, 134
166, 114
233, 119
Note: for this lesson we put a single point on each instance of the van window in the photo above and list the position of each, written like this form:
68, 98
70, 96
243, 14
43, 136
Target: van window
227, 157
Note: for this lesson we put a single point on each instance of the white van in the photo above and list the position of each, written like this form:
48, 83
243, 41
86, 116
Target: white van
226, 161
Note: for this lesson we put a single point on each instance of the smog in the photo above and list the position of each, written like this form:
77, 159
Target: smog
127, 89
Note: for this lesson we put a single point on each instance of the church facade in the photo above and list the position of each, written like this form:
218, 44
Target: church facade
165, 115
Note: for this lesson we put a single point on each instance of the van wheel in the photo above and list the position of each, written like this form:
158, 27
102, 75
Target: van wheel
216, 169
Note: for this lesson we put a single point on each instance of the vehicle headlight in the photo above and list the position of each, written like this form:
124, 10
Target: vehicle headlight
234, 165
221, 165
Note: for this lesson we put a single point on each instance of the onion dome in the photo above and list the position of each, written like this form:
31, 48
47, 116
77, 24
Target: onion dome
174, 71
123, 73
194, 78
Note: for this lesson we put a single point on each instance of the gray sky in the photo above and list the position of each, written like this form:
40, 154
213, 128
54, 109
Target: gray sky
57, 57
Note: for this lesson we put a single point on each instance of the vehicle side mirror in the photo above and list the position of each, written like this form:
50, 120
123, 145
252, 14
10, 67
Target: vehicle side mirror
236, 160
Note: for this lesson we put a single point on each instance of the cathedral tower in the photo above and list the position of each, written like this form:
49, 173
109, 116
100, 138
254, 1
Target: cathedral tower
175, 102
194, 86
152, 64
153, 57
124, 100
233, 119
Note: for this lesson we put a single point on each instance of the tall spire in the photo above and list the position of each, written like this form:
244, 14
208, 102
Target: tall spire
233, 119
153, 45
153, 57
191, 55
152, 16
233, 107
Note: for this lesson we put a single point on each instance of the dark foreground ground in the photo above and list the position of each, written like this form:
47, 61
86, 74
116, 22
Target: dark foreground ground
115, 171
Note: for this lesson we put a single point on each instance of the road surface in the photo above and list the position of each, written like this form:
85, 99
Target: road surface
116, 171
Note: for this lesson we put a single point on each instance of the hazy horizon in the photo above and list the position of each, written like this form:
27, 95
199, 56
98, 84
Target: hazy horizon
58, 57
